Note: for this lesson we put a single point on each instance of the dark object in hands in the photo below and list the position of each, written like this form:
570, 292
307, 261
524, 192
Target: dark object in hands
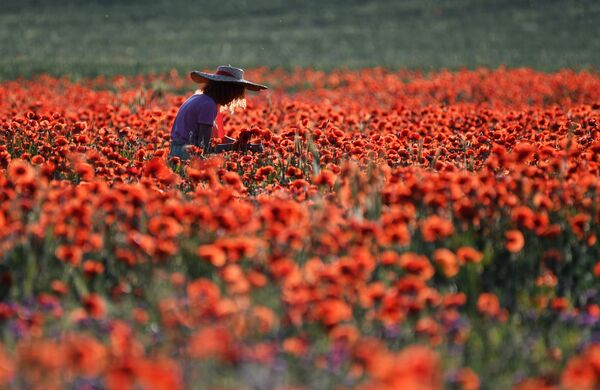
251, 147
258, 148
243, 139
243, 142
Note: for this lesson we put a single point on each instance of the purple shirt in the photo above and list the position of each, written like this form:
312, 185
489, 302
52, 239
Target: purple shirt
197, 109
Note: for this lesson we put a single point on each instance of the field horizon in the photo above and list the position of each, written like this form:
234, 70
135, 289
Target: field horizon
87, 39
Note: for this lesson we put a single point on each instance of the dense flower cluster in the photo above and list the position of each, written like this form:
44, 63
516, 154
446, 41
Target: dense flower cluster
400, 230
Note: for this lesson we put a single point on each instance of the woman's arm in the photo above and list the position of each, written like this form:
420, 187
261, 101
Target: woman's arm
201, 138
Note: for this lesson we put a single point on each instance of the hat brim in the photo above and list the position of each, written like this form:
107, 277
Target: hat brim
203, 77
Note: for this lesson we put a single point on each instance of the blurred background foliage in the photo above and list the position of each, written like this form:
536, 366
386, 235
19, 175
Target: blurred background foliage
87, 38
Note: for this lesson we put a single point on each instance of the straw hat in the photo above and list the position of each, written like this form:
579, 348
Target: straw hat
228, 74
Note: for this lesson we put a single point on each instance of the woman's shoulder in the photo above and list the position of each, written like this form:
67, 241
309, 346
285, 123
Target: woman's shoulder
206, 108
200, 98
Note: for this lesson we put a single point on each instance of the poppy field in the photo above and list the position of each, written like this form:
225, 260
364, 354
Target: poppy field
400, 230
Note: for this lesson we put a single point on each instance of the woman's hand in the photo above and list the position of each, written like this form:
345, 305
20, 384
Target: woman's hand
200, 137
228, 140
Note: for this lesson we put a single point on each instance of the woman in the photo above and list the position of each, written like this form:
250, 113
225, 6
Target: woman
195, 120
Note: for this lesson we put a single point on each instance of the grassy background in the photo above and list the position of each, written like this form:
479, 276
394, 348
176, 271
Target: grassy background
107, 37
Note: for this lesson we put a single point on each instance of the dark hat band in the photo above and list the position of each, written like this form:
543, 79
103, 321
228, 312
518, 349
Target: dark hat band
224, 73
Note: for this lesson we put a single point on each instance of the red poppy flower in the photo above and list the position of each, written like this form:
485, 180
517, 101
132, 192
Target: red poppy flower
94, 305
69, 254
488, 304
447, 261
20, 172
514, 241
469, 255
213, 254
435, 228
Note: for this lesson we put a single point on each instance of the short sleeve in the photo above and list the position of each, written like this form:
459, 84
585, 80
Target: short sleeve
207, 111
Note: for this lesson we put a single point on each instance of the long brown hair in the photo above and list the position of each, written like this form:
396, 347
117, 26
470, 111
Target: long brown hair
223, 93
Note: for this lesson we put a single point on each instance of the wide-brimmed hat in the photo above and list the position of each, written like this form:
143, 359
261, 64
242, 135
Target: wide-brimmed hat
227, 74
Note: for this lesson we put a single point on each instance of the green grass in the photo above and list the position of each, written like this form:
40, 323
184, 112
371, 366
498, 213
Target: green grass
109, 37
